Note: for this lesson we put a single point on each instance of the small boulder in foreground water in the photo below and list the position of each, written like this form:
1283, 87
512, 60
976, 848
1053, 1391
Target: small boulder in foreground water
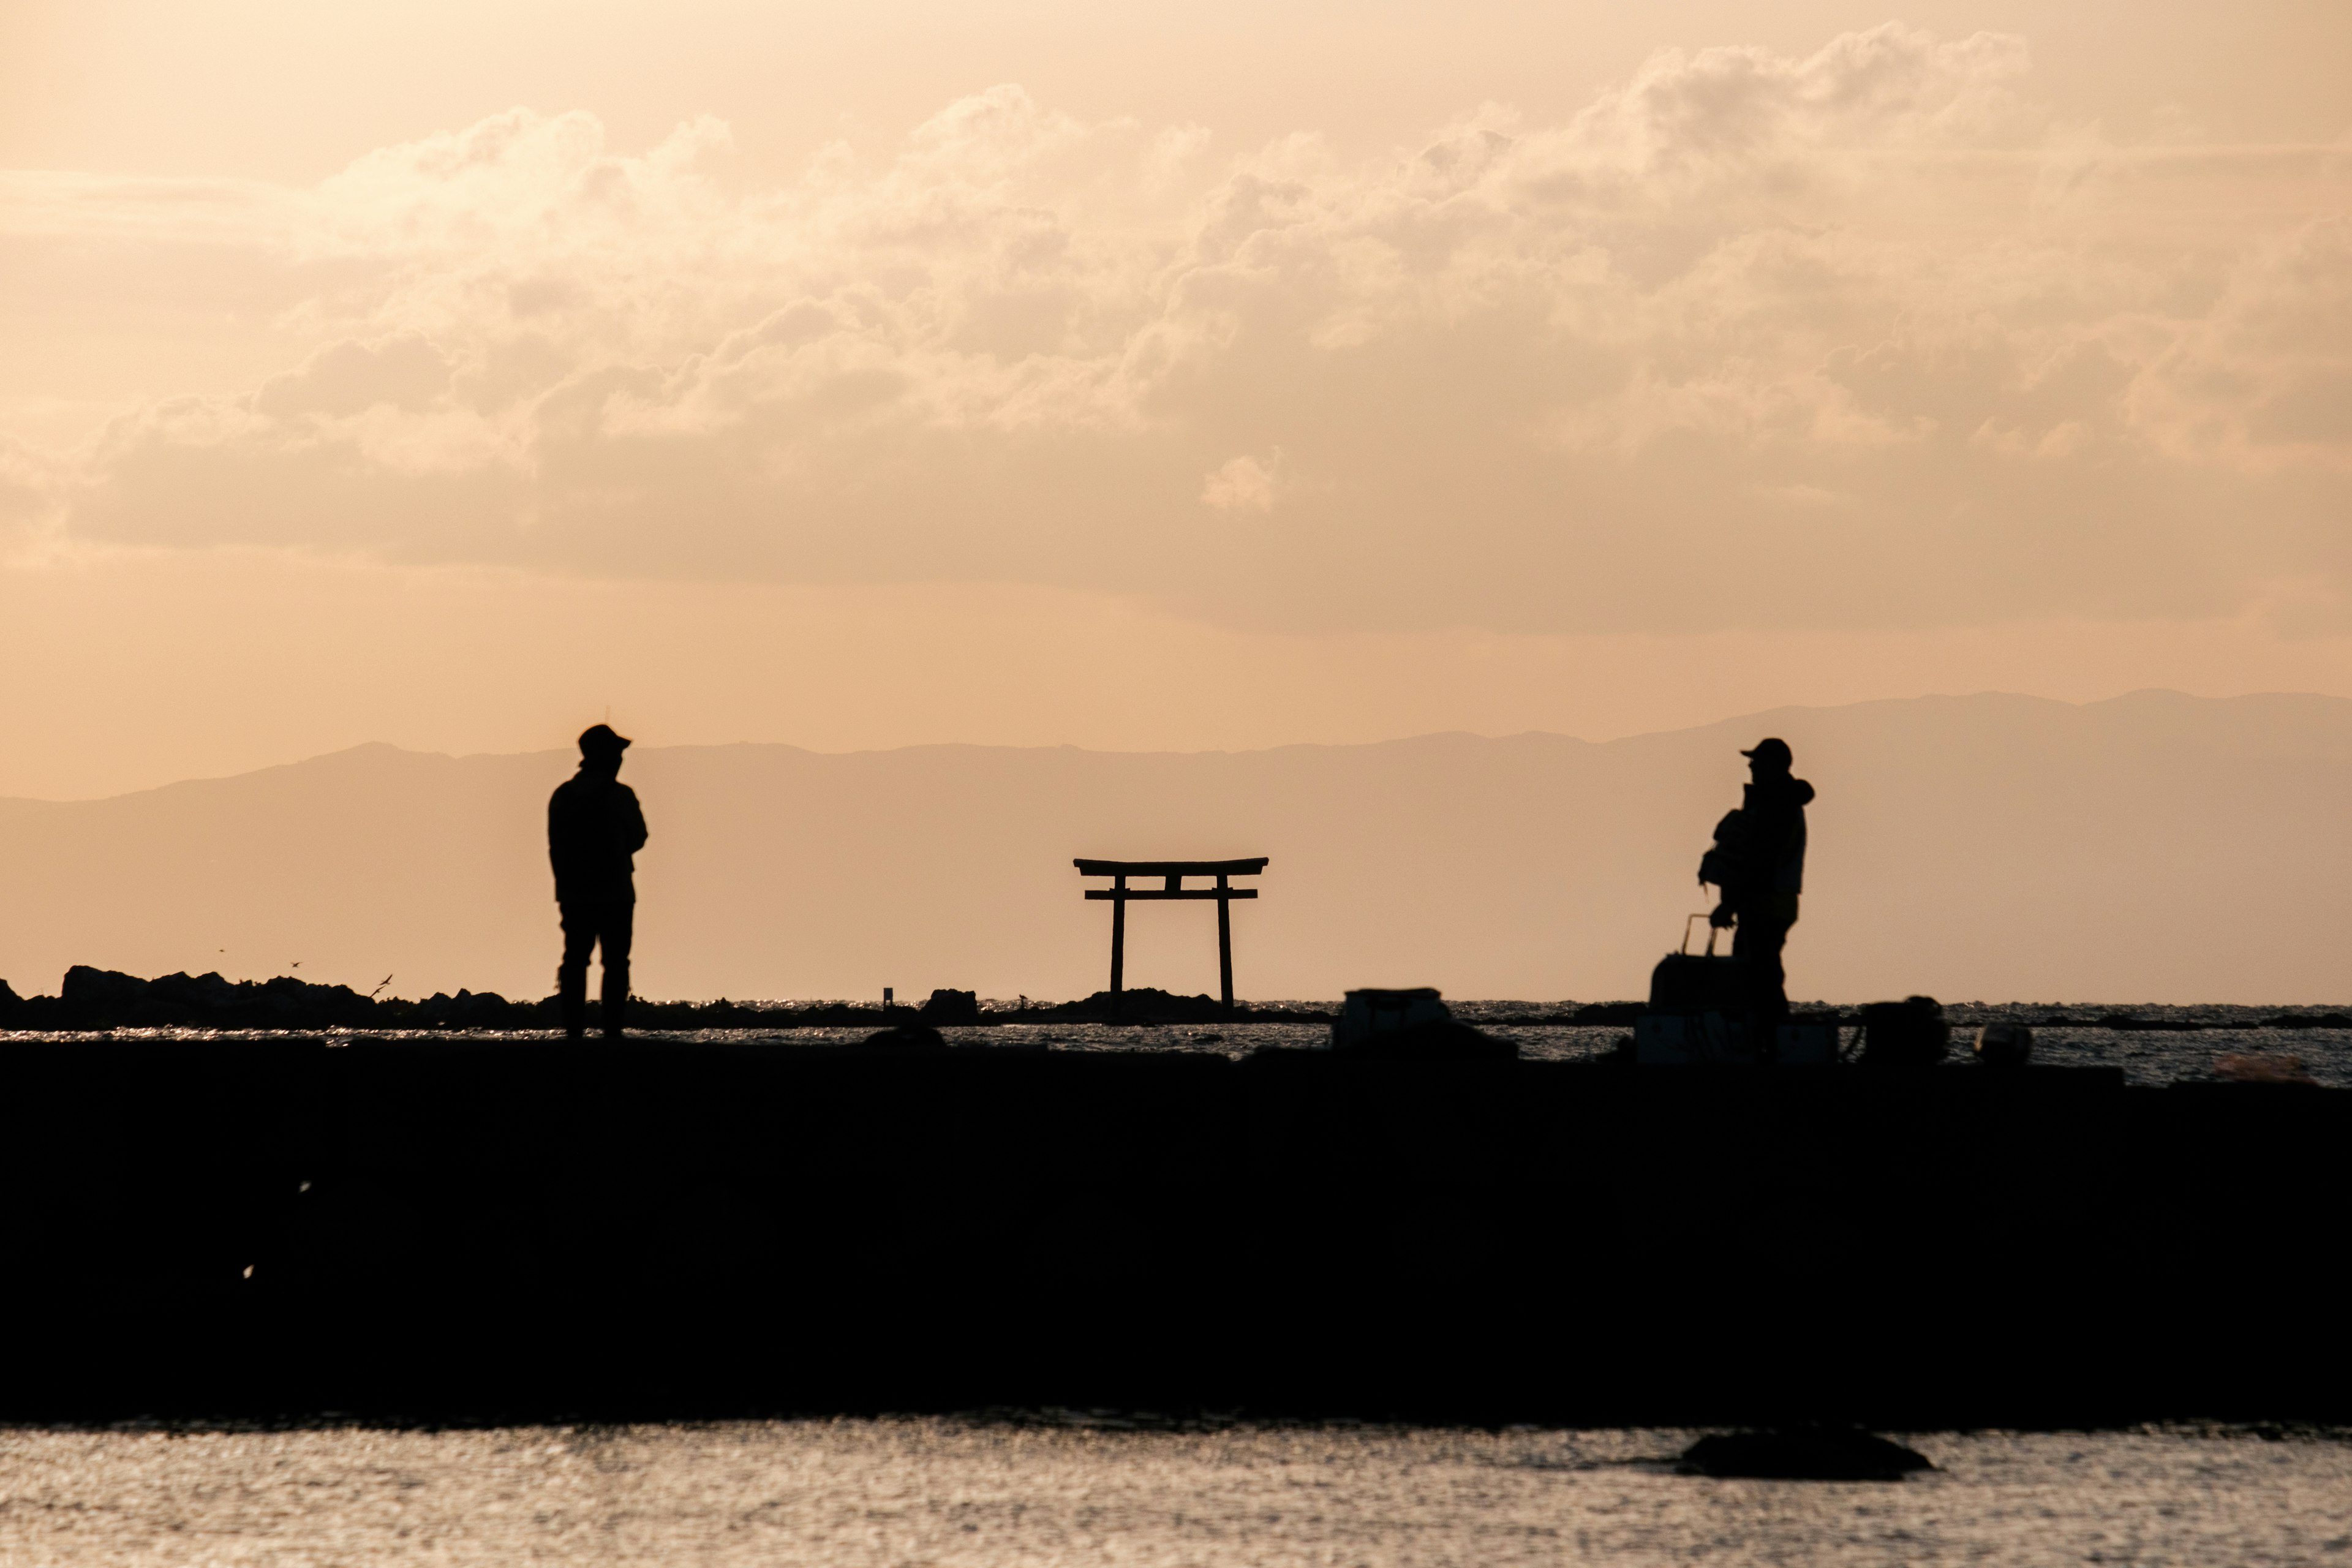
915, 1036
1802, 1454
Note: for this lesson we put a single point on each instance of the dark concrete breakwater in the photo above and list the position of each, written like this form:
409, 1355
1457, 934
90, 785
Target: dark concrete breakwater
478, 1229
89, 998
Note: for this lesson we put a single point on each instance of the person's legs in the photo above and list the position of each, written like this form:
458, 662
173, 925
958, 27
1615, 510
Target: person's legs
1757, 940
616, 927
572, 974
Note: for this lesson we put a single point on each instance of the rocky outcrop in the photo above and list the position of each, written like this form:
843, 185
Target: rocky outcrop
947, 1008
95, 999
108, 999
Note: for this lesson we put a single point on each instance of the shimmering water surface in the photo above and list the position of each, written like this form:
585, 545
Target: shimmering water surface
845, 1493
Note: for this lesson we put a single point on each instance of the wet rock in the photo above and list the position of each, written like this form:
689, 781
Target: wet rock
1802, 1454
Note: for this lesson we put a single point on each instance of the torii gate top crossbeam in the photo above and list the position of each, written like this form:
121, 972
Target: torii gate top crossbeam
1171, 867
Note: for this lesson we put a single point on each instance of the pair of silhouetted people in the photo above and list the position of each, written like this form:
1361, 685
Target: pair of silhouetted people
594, 830
1759, 863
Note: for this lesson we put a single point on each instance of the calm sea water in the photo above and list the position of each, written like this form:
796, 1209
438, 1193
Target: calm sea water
846, 1493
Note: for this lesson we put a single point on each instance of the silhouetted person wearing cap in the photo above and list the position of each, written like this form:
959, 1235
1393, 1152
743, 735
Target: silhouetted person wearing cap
593, 832
1759, 862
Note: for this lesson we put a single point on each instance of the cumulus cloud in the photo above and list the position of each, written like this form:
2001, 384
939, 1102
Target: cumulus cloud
403, 370
1857, 336
1240, 484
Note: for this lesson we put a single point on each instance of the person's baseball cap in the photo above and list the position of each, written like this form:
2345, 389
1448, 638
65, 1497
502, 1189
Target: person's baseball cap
1771, 749
598, 739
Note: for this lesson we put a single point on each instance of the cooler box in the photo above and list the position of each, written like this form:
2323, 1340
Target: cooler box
1690, 983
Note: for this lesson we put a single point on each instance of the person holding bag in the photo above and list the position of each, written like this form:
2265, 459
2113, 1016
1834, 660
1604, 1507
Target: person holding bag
1757, 863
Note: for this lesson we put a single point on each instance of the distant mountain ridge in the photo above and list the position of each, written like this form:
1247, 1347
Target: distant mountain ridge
2154, 848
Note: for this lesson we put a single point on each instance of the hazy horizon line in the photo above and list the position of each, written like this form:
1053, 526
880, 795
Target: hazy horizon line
1760, 713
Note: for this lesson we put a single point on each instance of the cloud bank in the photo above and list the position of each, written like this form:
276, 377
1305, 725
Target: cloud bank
1861, 338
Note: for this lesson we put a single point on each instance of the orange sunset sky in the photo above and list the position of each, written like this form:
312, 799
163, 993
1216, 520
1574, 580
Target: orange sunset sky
1175, 376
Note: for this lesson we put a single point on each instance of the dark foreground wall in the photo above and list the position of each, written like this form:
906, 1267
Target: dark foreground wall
482, 1229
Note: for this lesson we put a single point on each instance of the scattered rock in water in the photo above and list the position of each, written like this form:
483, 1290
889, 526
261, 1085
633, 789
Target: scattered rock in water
1801, 1454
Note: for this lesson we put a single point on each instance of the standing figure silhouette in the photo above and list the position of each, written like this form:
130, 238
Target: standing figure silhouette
1758, 861
594, 830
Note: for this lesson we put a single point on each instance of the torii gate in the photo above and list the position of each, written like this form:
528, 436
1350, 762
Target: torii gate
1174, 871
